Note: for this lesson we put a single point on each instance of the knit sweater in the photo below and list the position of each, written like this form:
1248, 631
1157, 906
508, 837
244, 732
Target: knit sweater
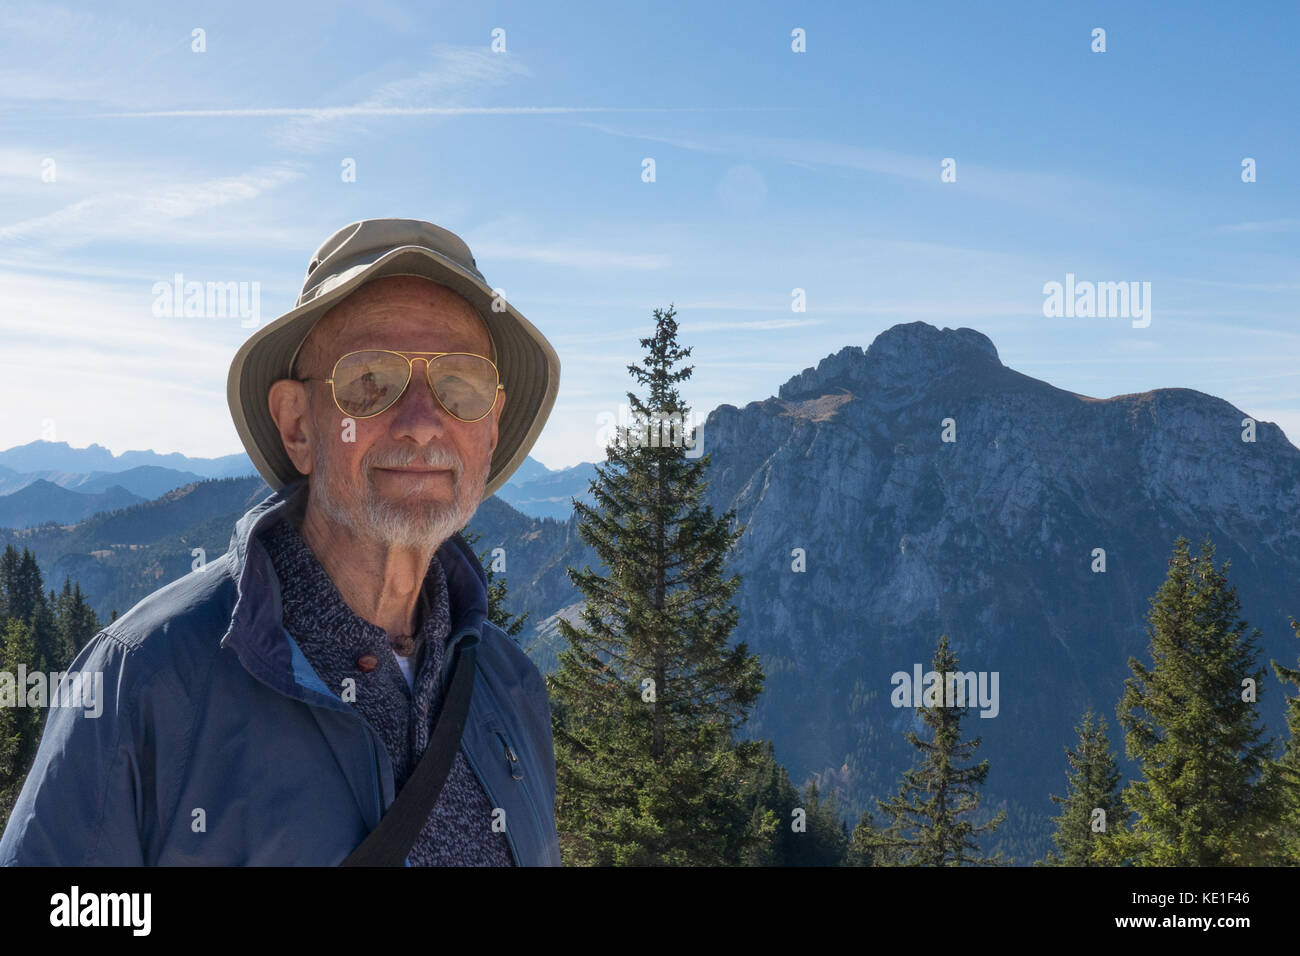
334, 639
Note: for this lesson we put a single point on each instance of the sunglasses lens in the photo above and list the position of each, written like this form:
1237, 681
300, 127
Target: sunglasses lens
365, 383
465, 384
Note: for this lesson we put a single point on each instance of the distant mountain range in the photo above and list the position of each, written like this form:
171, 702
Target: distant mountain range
867, 535
52, 481
92, 480
53, 503
549, 494
48, 456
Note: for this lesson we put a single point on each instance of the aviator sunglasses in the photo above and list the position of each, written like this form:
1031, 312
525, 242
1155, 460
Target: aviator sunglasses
369, 382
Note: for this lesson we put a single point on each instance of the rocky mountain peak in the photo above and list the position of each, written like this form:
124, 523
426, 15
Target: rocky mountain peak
902, 356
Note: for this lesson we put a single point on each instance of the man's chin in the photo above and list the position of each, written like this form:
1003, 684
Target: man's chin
412, 521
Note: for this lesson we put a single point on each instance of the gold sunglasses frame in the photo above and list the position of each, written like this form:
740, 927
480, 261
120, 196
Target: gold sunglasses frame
410, 374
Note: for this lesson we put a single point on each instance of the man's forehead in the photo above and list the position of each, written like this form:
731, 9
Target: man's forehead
387, 314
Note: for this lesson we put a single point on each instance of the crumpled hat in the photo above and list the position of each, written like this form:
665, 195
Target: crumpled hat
359, 253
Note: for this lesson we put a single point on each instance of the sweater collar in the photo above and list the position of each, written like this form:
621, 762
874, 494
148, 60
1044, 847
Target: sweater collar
256, 631
311, 603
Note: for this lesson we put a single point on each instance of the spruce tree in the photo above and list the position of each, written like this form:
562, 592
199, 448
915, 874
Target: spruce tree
871, 845
771, 800
1192, 724
1092, 785
823, 841
1283, 777
497, 591
648, 693
761, 849
47, 639
928, 821
20, 727
27, 601
9, 561
20, 578
78, 622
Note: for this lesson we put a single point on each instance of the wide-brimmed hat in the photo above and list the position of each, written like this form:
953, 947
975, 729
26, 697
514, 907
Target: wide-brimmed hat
372, 249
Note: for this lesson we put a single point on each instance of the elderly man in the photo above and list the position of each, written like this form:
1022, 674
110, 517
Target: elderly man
330, 690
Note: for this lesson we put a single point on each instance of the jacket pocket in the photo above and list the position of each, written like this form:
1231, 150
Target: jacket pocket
516, 767
512, 758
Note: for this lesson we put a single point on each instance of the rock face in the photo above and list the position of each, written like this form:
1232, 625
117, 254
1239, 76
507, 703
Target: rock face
989, 538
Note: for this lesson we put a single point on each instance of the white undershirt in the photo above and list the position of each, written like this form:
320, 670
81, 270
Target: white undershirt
405, 664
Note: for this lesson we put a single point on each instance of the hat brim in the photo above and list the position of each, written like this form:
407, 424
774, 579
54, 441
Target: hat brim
529, 367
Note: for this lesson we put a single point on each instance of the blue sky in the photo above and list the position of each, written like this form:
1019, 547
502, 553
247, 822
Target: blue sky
775, 170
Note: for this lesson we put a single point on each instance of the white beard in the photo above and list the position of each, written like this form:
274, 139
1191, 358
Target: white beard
411, 524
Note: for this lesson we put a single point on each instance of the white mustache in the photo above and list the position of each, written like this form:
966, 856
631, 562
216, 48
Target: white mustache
436, 458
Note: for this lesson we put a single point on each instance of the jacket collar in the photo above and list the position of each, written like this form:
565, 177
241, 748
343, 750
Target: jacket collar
266, 649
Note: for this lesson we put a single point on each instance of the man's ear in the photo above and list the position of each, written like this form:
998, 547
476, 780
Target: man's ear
290, 407
496, 418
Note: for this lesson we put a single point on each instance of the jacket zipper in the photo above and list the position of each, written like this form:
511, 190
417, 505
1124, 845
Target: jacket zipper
516, 771
469, 758
516, 768
510, 837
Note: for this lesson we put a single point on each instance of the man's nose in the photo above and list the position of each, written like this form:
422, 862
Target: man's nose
418, 413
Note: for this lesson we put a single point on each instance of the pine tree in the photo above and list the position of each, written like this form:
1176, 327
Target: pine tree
9, 562
648, 693
761, 849
20, 727
772, 801
1283, 777
20, 578
78, 622
870, 845
1092, 785
497, 592
928, 819
1192, 724
823, 842
47, 640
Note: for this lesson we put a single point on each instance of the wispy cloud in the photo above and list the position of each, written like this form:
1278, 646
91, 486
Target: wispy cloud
130, 214
86, 56
1263, 225
1049, 192
1282, 287
345, 112
757, 325
574, 255
459, 73
96, 317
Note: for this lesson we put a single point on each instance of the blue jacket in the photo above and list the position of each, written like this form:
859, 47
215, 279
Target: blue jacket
217, 743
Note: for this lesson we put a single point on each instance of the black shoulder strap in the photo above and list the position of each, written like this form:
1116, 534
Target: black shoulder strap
389, 843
